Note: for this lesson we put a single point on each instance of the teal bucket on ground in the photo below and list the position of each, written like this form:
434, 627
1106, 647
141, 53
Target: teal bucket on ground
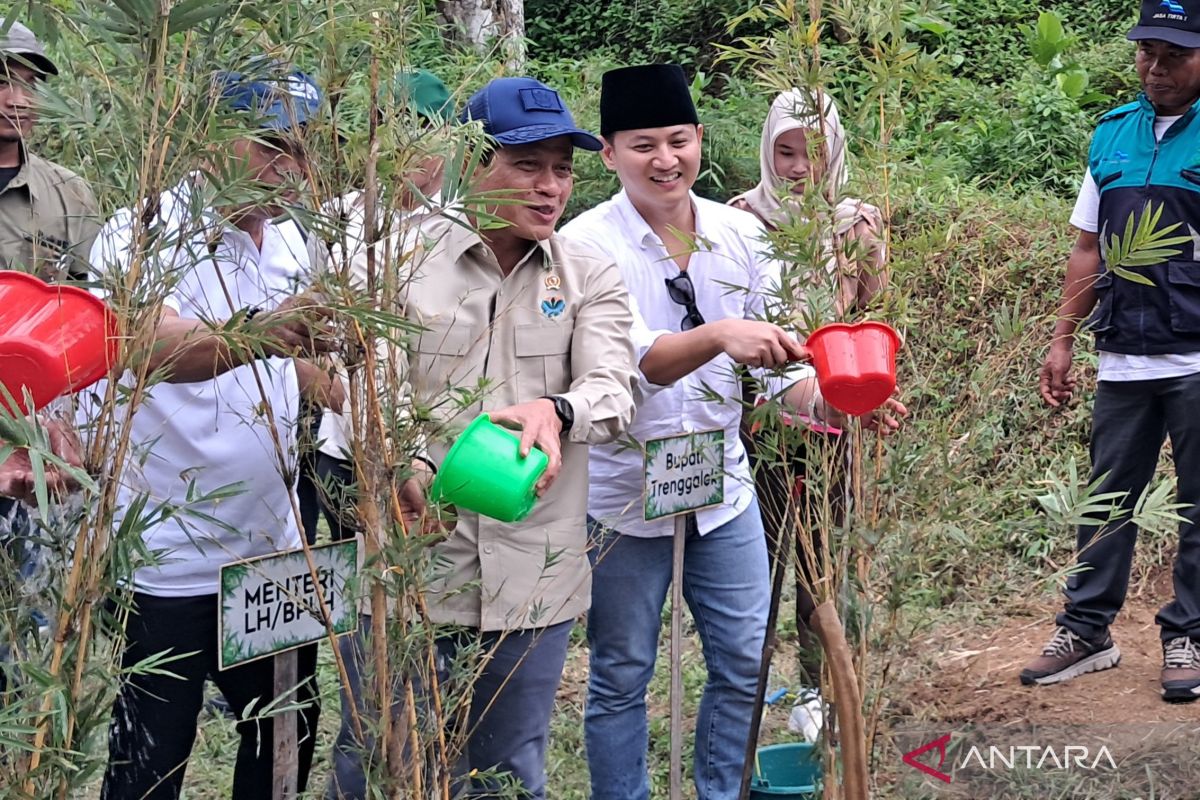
485, 473
786, 772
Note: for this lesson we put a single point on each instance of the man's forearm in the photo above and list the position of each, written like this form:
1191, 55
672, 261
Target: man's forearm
675, 355
323, 387
190, 351
1079, 290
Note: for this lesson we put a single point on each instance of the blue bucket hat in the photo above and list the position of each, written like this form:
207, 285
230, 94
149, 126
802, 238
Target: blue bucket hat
524, 110
279, 104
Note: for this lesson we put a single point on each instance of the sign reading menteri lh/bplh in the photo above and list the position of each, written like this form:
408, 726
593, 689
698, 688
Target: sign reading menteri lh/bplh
684, 473
269, 604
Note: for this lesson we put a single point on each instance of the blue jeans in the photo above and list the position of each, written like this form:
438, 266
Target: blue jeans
727, 587
509, 716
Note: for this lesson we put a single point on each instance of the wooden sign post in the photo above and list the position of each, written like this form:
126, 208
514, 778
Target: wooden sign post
683, 474
270, 607
285, 758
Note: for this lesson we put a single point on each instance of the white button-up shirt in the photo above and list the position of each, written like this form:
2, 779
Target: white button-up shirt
732, 276
199, 437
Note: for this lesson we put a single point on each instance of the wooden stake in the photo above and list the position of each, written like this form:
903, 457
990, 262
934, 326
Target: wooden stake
677, 658
285, 757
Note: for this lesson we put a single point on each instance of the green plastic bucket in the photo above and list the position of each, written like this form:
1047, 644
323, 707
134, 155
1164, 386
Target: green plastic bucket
786, 771
484, 473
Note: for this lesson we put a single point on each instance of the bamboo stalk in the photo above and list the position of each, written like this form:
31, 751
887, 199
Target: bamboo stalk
828, 627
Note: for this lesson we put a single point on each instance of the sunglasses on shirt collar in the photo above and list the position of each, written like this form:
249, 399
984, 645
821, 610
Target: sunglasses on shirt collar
683, 291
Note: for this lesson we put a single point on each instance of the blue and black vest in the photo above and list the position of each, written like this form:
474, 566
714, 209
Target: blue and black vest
1130, 168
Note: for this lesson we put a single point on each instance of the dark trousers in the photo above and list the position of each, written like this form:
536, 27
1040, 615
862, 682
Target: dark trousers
154, 717
508, 720
787, 499
1130, 420
336, 493
17, 562
326, 488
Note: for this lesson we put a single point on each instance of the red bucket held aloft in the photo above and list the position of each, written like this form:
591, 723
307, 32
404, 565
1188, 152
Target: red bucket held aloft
54, 340
856, 364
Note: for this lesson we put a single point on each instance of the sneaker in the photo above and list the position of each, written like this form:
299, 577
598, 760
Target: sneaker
808, 715
1067, 656
1181, 670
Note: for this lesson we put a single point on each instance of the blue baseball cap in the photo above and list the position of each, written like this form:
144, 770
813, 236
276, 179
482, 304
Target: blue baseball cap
525, 110
278, 104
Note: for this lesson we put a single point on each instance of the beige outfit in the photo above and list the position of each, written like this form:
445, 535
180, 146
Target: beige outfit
558, 324
48, 221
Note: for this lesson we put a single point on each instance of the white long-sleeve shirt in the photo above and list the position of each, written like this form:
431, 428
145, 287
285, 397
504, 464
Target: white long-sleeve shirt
732, 277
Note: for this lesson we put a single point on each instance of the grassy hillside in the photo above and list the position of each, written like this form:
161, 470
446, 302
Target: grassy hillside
968, 124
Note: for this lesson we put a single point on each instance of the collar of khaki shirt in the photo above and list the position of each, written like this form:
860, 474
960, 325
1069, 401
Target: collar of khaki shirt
461, 238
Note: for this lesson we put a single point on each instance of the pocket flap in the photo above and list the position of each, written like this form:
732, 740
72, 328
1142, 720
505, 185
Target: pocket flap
1107, 179
542, 340
445, 339
1183, 273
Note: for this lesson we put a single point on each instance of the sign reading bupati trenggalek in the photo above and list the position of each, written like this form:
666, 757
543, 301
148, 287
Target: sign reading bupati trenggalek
270, 604
684, 473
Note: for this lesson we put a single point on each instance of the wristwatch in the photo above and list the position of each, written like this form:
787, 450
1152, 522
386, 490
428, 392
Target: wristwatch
562, 407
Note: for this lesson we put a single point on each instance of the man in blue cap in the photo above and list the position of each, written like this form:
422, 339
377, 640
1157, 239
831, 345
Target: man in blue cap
218, 271
544, 325
1143, 155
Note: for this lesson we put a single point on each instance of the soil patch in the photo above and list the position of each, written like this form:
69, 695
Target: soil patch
970, 676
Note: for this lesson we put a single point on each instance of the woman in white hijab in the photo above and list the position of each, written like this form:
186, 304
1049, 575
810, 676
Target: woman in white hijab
803, 150
803, 153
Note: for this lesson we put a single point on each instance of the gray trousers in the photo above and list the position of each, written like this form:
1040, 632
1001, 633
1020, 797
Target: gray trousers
509, 716
1130, 421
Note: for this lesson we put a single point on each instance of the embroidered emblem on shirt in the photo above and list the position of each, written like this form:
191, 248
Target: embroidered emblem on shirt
553, 306
553, 282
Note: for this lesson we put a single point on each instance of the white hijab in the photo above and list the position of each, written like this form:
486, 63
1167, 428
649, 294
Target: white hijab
798, 108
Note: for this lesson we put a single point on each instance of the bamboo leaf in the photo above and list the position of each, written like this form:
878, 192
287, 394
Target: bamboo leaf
1135, 277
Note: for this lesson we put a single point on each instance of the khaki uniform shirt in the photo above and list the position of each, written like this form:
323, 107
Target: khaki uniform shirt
48, 221
558, 324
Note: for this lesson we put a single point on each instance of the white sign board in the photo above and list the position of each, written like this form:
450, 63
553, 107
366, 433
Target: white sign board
270, 604
684, 473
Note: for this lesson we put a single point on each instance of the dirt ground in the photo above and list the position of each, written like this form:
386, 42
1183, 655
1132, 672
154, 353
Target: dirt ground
963, 681
971, 675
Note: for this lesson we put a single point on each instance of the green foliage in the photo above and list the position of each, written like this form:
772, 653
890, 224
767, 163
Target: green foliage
630, 31
967, 122
1143, 244
992, 36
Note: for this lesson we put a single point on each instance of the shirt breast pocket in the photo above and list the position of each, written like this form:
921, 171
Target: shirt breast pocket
441, 358
543, 355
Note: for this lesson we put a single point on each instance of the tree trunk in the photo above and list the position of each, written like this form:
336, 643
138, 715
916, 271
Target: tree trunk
478, 24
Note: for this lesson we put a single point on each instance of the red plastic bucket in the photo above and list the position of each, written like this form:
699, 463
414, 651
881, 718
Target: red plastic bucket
53, 340
856, 364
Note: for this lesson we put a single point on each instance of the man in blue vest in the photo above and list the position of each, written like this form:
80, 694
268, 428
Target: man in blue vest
1144, 154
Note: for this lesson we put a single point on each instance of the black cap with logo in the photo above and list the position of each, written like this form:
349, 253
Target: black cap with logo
1173, 21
